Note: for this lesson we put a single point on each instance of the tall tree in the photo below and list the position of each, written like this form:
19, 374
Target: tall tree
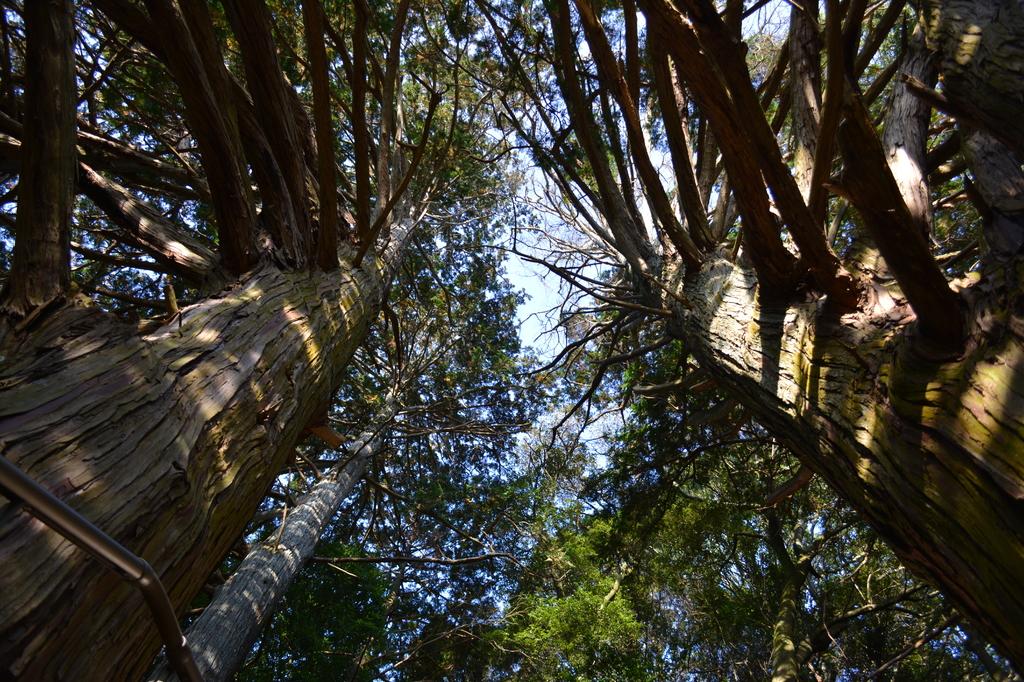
221, 637
197, 161
441, 409
677, 540
835, 300
825, 301
431, 516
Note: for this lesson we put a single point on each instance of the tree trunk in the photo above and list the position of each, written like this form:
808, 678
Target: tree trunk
167, 442
223, 635
41, 271
906, 131
804, 90
784, 663
981, 48
999, 179
929, 451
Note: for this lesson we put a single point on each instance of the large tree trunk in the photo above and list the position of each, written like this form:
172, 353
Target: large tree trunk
166, 441
931, 452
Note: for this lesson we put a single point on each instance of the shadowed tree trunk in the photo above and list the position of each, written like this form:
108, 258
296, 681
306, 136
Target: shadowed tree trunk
167, 434
41, 271
980, 51
929, 451
905, 393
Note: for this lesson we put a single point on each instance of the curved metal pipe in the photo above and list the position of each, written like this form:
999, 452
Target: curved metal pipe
79, 530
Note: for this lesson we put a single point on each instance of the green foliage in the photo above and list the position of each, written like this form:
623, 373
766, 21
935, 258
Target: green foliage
448, 344
327, 620
643, 552
670, 566
579, 631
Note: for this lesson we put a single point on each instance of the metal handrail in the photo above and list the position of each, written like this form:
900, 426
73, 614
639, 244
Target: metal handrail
79, 530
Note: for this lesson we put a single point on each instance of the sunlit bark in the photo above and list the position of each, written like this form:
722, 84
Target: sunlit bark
167, 442
222, 636
928, 450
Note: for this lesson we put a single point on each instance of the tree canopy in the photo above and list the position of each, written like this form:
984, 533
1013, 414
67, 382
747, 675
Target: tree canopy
263, 269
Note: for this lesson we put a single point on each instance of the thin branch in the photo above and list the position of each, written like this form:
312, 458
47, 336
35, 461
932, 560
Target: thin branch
916, 644
791, 487
413, 559
385, 213
326, 252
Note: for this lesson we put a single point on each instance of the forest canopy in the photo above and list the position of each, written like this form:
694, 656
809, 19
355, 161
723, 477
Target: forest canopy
632, 340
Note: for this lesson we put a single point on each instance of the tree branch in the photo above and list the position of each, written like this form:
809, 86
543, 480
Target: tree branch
899, 237
606, 64
791, 487
193, 58
41, 268
673, 112
146, 228
413, 559
251, 23
326, 249
360, 133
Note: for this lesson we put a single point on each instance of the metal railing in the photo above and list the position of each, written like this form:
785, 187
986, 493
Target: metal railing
79, 530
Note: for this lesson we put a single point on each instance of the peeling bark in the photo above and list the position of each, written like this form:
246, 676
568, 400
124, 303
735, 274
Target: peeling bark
166, 442
981, 48
928, 451
999, 176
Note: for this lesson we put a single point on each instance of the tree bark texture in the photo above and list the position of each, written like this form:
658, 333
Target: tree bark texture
999, 177
163, 240
325, 250
190, 49
981, 43
223, 635
804, 89
167, 442
929, 451
41, 270
784, 663
252, 26
906, 131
